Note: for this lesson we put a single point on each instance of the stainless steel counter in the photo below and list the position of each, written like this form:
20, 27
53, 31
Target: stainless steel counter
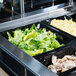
32, 17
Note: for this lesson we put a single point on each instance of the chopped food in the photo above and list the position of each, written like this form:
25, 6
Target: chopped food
68, 26
34, 41
64, 64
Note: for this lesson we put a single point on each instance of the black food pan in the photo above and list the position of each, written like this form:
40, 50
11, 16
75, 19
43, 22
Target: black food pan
3, 65
60, 53
61, 37
73, 16
47, 22
25, 59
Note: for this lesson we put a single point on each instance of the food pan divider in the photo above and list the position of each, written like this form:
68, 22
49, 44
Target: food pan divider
47, 22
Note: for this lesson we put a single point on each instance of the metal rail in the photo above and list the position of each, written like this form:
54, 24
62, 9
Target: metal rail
35, 16
27, 61
22, 8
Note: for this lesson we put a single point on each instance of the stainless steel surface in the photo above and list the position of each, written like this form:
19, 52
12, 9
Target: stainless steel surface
22, 7
35, 16
12, 7
25, 72
1, 4
1, 1
71, 2
31, 3
52, 2
74, 7
29, 18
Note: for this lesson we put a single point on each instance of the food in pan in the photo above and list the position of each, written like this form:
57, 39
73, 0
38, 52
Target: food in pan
68, 26
34, 41
64, 64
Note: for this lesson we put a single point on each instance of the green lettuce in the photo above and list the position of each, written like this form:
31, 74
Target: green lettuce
34, 41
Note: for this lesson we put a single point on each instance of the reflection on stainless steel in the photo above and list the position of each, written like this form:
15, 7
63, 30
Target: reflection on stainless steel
32, 18
52, 2
31, 3
1, 1
71, 2
1, 4
36, 16
12, 7
22, 7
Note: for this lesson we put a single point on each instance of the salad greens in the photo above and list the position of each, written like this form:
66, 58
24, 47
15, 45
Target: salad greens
34, 41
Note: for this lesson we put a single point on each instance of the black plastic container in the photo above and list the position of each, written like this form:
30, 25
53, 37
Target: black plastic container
61, 37
60, 53
47, 22
9, 47
73, 16
6, 67
11, 66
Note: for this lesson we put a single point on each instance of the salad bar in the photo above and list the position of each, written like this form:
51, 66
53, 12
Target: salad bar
39, 40
42, 43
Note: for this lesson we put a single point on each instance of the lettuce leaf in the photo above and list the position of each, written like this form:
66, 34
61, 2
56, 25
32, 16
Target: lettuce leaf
34, 41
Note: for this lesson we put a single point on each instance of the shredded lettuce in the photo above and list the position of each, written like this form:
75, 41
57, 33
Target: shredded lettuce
34, 41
